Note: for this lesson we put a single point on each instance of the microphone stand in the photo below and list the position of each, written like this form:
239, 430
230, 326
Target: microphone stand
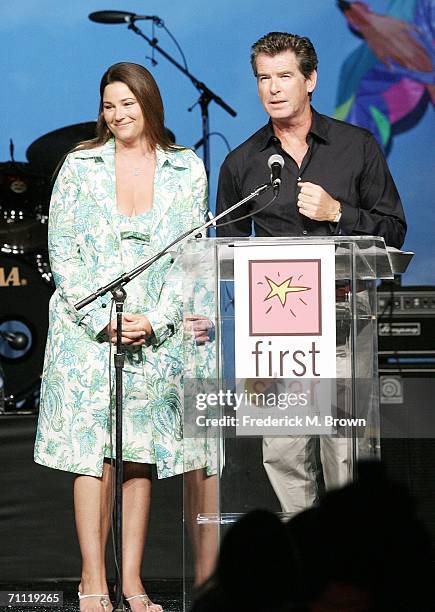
206, 94
119, 295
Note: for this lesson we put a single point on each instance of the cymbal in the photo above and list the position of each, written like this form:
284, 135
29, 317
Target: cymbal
45, 153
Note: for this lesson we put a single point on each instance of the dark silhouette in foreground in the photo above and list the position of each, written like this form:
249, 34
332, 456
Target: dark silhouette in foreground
363, 549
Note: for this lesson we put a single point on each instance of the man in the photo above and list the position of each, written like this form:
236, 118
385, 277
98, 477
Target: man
335, 181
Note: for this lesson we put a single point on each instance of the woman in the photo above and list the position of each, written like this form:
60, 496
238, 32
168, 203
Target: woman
118, 199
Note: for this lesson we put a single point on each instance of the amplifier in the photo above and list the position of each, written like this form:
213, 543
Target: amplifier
406, 343
406, 323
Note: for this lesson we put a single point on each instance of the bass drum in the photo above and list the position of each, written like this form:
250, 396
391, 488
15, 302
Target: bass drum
25, 291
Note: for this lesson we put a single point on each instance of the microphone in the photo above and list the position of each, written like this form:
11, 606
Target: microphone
120, 17
276, 164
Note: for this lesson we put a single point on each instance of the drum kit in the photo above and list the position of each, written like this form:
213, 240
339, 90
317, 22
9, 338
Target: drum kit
26, 283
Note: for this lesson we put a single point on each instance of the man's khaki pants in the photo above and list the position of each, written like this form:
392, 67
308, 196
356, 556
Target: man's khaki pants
293, 468
295, 465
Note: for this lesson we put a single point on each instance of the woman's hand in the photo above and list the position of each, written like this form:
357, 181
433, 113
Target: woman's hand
202, 327
135, 330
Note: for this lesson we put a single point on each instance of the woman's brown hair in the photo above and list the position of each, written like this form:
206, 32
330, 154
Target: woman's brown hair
142, 84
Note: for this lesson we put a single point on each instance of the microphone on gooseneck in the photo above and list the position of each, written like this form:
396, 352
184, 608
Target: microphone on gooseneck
276, 164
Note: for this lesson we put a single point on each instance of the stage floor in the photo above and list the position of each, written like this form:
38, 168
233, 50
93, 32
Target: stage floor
167, 593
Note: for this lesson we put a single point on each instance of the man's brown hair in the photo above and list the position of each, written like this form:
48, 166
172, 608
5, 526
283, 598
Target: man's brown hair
277, 42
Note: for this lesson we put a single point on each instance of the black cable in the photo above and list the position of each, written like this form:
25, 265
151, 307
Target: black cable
162, 25
246, 216
223, 138
200, 143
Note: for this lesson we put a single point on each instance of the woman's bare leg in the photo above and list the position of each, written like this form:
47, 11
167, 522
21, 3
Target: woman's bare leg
92, 514
136, 506
201, 498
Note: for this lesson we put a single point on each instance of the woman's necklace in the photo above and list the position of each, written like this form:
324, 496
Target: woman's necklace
138, 166
138, 170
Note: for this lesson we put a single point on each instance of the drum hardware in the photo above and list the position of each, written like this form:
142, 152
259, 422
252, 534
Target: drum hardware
2, 390
43, 266
27, 402
9, 249
25, 289
16, 340
24, 198
26, 282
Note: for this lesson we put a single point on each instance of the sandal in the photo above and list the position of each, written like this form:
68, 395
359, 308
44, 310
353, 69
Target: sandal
104, 599
145, 600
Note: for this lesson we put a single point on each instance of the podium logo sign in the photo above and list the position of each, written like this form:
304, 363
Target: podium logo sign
285, 311
285, 297
285, 340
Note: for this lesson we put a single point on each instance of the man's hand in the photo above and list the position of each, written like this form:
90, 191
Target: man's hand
201, 327
135, 330
315, 203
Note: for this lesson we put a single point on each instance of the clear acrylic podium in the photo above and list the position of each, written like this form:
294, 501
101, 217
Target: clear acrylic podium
234, 480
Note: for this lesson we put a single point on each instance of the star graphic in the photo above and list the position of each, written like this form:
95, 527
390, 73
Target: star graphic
281, 290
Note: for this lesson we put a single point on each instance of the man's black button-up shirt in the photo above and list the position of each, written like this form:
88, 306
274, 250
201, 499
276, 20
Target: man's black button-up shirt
343, 159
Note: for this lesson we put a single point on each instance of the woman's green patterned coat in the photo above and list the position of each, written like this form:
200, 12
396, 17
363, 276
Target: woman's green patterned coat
84, 247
